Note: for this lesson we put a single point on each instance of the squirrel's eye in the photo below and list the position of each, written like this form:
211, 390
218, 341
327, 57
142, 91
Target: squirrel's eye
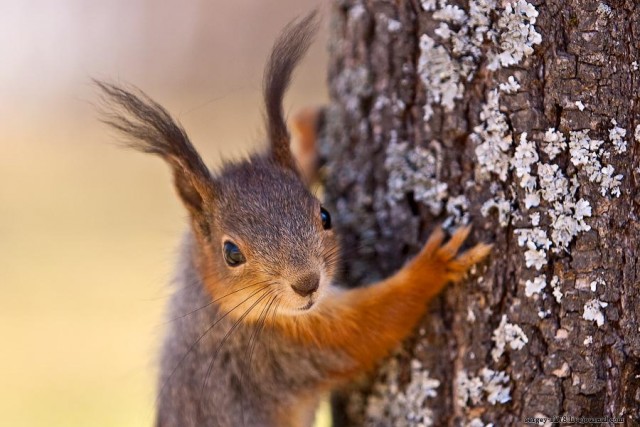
326, 218
232, 254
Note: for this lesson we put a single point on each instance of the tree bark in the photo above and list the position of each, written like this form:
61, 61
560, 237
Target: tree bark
425, 127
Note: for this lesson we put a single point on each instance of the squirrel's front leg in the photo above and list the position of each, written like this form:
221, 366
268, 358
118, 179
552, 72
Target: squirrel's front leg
367, 323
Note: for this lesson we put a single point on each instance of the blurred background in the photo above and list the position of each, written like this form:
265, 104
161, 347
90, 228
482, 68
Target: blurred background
88, 231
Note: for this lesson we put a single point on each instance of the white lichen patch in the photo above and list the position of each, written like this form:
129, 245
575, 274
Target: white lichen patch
535, 218
468, 389
471, 316
507, 334
493, 140
500, 204
537, 244
588, 340
490, 385
457, 209
616, 135
593, 311
582, 210
450, 13
585, 151
354, 83
428, 5
524, 157
440, 74
414, 170
586, 154
594, 284
421, 387
389, 405
357, 12
557, 292
555, 143
532, 200
393, 26
535, 286
568, 221
580, 105
567, 214
609, 183
536, 258
544, 313
496, 386
516, 35
553, 184
471, 31
604, 9
443, 31
636, 133
511, 86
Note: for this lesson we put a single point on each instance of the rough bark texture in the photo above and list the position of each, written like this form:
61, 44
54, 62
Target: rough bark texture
570, 364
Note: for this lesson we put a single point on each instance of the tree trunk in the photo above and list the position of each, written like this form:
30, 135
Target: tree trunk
519, 118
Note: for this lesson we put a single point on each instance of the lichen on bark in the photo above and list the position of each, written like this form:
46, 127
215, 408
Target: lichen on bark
549, 191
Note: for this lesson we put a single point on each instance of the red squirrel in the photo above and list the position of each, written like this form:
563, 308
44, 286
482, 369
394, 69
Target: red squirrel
259, 329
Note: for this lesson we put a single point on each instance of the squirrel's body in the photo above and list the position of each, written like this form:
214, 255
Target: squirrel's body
259, 332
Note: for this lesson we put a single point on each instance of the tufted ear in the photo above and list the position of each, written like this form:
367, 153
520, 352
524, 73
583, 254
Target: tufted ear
149, 128
287, 51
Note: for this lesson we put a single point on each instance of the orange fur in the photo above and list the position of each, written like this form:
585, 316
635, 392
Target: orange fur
303, 145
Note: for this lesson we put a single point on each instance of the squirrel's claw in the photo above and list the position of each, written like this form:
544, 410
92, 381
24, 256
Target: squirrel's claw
445, 259
450, 250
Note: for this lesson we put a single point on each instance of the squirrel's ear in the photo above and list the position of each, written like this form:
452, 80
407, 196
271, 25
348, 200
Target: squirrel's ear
150, 129
287, 51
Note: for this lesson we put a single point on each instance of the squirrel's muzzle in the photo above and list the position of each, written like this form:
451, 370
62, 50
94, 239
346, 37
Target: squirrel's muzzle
307, 284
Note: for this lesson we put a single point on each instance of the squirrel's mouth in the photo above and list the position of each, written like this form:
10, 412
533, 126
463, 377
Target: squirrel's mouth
308, 306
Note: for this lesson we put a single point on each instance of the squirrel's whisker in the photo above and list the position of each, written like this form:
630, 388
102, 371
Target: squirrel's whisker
193, 346
273, 319
254, 337
218, 299
260, 326
224, 339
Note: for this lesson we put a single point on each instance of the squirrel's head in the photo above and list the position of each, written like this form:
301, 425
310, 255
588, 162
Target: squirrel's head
264, 242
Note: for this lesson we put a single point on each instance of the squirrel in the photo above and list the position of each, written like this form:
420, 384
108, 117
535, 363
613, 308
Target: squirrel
259, 329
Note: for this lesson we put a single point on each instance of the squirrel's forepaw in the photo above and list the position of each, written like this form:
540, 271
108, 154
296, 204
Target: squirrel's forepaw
446, 259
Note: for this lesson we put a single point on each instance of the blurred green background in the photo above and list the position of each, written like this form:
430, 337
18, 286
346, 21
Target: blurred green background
88, 231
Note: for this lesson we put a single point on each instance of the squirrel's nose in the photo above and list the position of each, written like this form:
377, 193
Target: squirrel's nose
306, 285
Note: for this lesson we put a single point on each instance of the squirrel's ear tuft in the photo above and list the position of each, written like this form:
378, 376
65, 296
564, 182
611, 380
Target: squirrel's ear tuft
149, 128
287, 51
